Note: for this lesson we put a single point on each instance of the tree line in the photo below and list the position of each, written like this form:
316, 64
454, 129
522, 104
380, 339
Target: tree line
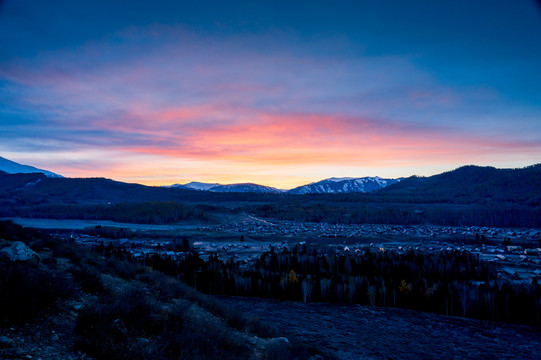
156, 212
449, 282
404, 214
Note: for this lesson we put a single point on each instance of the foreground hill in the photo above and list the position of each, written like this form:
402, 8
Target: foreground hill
76, 305
378, 333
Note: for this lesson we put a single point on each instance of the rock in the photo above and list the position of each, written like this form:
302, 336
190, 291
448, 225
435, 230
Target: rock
279, 341
142, 341
13, 353
120, 327
6, 342
18, 251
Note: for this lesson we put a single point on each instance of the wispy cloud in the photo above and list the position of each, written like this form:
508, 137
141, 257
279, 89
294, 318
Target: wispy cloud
175, 97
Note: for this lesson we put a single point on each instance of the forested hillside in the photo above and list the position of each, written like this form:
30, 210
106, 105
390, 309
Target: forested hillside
470, 184
470, 195
447, 282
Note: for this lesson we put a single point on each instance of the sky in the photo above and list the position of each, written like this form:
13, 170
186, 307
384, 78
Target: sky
280, 93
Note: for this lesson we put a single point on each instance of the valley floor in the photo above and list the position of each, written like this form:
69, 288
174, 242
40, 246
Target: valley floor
354, 331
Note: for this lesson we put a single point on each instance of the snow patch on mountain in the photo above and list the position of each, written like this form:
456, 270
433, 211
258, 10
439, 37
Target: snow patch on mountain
335, 179
334, 185
245, 187
11, 167
215, 187
344, 185
195, 185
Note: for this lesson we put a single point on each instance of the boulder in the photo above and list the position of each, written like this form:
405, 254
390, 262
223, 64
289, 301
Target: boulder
18, 251
279, 342
119, 327
142, 341
12, 353
6, 343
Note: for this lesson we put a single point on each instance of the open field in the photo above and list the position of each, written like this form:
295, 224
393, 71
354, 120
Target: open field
374, 333
76, 224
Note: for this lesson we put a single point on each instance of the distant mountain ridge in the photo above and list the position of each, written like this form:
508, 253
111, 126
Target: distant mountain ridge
344, 185
245, 187
328, 186
195, 185
11, 167
471, 195
240, 188
467, 184
471, 183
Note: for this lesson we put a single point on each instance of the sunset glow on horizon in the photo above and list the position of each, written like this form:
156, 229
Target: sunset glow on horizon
270, 93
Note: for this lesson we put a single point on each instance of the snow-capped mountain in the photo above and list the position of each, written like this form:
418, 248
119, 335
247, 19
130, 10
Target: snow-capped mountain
328, 186
195, 185
11, 167
246, 187
240, 188
200, 186
344, 185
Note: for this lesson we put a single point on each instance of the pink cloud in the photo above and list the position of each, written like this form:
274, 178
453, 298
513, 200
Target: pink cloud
218, 101
256, 137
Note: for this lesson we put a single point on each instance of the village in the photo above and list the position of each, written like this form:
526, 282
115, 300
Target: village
515, 253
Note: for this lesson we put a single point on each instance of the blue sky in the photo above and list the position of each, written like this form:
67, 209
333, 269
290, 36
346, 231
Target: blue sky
270, 92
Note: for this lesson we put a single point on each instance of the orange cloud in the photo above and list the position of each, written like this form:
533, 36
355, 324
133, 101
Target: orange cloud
248, 136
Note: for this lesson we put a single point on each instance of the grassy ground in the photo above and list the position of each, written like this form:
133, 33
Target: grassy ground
110, 309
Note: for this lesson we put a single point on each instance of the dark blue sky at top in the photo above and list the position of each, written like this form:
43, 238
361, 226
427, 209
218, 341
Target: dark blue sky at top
463, 42
383, 84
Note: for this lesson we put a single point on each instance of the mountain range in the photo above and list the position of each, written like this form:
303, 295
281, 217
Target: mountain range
480, 184
11, 167
327, 186
467, 183
194, 185
344, 185
470, 195
229, 188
